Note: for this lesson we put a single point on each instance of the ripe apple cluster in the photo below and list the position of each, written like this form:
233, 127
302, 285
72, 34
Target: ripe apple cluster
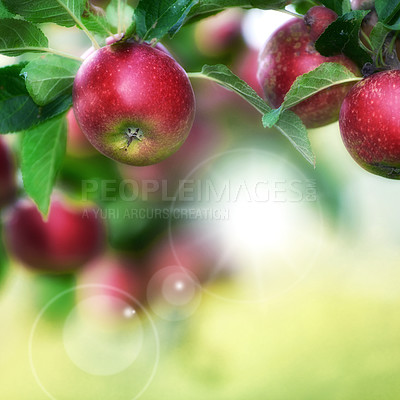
367, 112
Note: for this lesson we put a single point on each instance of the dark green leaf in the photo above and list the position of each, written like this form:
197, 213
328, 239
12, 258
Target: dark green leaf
342, 36
4, 13
43, 150
289, 125
61, 12
155, 18
18, 36
387, 9
18, 111
395, 26
49, 77
205, 8
339, 6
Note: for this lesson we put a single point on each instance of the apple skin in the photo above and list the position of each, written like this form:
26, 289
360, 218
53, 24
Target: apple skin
370, 125
318, 18
71, 236
203, 141
8, 188
289, 53
128, 85
77, 144
362, 4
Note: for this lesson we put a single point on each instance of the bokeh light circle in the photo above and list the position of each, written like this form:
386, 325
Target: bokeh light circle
97, 349
262, 212
173, 294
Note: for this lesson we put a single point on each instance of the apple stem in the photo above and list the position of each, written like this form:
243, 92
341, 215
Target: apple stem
84, 29
392, 42
366, 38
57, 52
293, 14
153, 42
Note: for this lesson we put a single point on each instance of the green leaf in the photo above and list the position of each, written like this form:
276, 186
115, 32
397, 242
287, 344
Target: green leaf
155, 18
205, 8
49, 77
387, 9
301, 7
4, 13
272, 117
378, 36
289, 124
43, 150
118, 12
97, 24
61, 12
342, 36
339, 6
226, 78
18, 111
317, 80
18, 36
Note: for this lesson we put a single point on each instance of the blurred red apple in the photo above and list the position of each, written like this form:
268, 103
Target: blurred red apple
77, 144
70, 237
220, 33
8, 186
115, 284
189, 250
246, 69
289, 53
362, 4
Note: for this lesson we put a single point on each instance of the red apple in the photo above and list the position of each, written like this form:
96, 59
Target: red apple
189, 251
163, 178
114, 39
70, 237
318, 19
77, 144
116, 282
218, 34
370, 124
8, 187
246, 69
134, 103
289, 53
362, 4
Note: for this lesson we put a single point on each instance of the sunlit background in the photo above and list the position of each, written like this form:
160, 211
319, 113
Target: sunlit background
293, 283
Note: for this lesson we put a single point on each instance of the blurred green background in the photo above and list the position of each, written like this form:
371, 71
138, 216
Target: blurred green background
329, 330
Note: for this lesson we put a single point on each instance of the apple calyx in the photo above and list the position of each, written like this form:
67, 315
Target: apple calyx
131, 134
